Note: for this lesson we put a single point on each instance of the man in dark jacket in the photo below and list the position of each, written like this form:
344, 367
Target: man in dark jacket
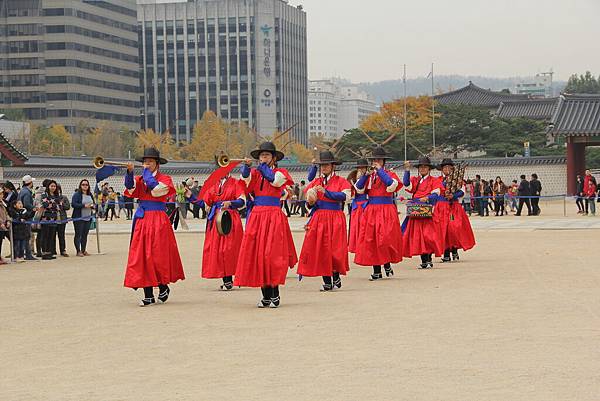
536, 190
523, 193
26, 196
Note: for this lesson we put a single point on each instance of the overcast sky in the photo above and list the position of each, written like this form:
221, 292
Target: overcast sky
371, 40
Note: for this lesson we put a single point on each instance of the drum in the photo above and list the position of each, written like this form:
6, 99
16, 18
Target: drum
224, 222
416, 210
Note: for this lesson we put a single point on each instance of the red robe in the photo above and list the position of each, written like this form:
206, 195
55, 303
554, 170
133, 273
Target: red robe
267, 250
453, 223
153, 254
422, 235
356, 215
380, 237
325, 247
220, 255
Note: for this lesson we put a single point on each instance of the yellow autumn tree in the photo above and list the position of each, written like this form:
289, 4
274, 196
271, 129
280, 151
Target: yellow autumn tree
164, 143
52, 141
390, 117
104, 140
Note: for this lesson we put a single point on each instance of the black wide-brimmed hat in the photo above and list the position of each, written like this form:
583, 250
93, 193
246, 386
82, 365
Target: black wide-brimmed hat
327, 157
267, 147
424, 161
445, 162
379, 153
152, 153
362, 163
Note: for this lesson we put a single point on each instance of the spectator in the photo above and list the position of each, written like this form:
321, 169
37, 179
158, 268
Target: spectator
477, 194
513, 191
579, 195
39, 212
128, 206
26, 196
468, 198
181, 202
195, 189
4, 224
486, 196
302, 198
589, 190
524, 192
10, 193
51, 202
21, 230
111, 204
60, 227
536, 192
83, 207
499, 193
120, 204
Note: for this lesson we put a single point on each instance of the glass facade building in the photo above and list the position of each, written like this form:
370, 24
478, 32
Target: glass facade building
245, 60
70, 61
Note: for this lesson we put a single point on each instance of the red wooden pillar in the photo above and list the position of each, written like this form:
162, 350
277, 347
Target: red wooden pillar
575, 163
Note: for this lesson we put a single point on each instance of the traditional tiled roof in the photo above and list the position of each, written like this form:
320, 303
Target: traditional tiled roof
475, 96
9, 152
576, 115
536, 109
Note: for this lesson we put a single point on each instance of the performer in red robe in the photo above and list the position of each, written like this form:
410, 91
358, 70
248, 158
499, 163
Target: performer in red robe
220, 254
380, 238
357, 209
421, 236
267, 249
153, 255
325, 248
452, 220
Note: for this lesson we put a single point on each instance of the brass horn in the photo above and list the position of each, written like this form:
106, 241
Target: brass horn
99, 162
223, 160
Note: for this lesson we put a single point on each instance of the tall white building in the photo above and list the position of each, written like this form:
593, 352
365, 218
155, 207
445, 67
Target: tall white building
245, 60
334, 106
539, 87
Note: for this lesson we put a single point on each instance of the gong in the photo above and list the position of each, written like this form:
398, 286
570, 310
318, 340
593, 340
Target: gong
224, 222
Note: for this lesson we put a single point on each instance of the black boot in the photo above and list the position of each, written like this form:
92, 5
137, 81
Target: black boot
148, 297
337, 280
455, 254
446, 257
227, 284
327, 284
389, 272
424, 261
163, 293
376, 273
274, 297
266, 297
430, 261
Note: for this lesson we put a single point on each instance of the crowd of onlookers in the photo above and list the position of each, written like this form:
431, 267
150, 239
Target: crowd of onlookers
587, 192
485, 196
38, 216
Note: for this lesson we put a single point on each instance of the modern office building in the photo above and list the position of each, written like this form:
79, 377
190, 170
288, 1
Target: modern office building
335, 106
245, 60
70, 62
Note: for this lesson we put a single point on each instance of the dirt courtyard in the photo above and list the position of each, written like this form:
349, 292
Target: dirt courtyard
518, 318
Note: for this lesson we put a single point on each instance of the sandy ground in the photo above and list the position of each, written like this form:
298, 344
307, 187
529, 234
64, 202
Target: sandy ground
488, 328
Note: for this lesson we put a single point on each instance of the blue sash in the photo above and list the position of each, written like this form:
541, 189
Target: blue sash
323, 205
379, 200
358, 198
261, 201
148, 206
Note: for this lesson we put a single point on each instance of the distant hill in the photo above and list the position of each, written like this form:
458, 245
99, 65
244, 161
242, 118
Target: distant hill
384, 91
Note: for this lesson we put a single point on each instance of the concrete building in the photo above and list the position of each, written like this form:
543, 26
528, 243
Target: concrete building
335, 106
539, 87
245, 60
70, 62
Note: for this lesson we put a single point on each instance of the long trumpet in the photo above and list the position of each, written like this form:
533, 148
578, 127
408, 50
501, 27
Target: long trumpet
99, 162
223, 160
